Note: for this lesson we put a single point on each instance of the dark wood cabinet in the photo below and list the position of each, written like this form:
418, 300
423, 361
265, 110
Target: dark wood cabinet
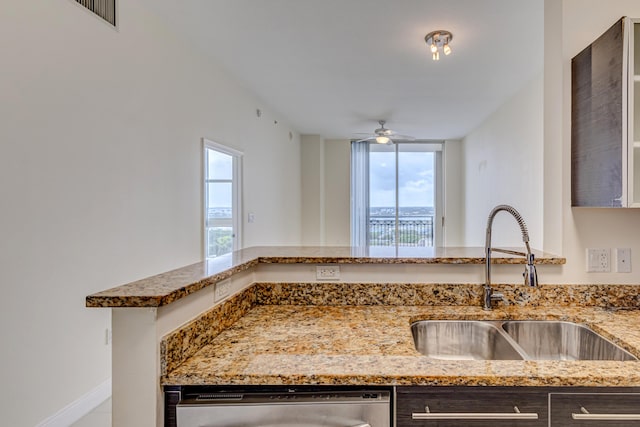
594, 409
605, 134
471, 406
422, 406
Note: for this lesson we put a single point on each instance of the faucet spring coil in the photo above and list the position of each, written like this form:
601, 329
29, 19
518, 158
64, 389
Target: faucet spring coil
516, 215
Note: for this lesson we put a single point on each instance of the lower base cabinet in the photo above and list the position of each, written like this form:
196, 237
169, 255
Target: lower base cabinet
517, 407
471, 406
447, 406
594, 409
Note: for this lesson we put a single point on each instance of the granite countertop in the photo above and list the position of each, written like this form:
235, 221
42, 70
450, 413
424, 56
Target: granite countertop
372, 345
165, 288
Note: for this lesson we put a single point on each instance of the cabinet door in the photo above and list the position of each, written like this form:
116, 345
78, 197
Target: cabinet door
470, 406
594, 409
598, 134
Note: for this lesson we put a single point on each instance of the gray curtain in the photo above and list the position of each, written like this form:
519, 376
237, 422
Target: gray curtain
359, 193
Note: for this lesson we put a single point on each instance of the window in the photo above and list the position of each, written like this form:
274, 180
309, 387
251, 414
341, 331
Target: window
222, 211
396, 194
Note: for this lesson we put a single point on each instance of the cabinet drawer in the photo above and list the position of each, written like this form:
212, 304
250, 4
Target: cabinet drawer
470, 406
594, 409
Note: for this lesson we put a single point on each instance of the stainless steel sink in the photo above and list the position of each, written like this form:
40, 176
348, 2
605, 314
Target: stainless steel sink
462, 340
557, 340
512, 340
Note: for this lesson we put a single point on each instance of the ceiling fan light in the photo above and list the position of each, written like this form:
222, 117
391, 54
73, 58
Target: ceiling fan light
381, 139
434, 48
436, 56
446, 49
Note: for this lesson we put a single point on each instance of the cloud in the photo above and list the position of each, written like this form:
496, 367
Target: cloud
415, 180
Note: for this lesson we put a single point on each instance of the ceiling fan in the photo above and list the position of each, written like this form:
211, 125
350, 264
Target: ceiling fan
383, 135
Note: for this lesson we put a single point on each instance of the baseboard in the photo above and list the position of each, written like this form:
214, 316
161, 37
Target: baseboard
80, 407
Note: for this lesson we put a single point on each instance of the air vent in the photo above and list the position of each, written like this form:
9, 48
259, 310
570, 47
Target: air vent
105, 9
219, 396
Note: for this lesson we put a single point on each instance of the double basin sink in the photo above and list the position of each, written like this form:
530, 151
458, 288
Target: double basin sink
512, 340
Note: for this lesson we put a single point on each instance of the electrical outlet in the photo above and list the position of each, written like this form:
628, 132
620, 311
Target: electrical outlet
223, 289
328, 272
598, 260
623, 260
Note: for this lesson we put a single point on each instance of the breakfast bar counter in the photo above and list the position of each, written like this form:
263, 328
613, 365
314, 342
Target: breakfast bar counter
171, 286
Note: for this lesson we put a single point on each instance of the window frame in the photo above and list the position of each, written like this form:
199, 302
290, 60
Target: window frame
236, 193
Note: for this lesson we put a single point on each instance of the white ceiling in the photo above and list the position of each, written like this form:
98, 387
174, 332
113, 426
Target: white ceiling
334, 67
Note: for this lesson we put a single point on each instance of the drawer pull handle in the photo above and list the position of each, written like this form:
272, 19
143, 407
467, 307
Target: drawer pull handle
516, 415
586, 415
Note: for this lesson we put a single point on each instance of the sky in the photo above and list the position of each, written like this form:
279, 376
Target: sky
415, 180
220, 166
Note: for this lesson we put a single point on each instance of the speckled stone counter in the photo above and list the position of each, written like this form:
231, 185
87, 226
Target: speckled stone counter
269, 342
171, 286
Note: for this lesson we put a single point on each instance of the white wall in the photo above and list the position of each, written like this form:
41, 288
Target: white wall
100, 181
582, 22
454, 174
337, 177
313, 189
503, 165
326, 203
552, 119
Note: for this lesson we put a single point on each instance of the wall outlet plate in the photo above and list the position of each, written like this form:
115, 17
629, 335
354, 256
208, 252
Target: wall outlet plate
598, 260
327, 272
623, 260
223, 289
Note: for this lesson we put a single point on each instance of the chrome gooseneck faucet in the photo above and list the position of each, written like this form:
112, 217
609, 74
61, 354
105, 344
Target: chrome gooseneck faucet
530, 275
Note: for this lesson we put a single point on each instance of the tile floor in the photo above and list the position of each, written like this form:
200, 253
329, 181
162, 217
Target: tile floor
99, 417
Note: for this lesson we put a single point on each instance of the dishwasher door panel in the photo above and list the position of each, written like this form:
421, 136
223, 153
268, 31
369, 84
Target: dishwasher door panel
281, 415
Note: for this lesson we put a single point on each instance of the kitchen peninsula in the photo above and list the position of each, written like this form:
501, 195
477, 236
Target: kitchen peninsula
168, 287
279, 325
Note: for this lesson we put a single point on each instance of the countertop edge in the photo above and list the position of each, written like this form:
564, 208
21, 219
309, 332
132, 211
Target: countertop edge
406, 380
168, 287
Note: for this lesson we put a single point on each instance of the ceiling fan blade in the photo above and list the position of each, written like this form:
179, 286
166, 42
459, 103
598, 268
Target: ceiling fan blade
402, 137
382, 132
371, 138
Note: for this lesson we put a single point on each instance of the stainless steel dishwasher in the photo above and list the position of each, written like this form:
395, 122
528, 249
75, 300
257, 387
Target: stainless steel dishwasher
303, 409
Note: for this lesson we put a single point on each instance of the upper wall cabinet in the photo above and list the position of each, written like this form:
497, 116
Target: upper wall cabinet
605, 119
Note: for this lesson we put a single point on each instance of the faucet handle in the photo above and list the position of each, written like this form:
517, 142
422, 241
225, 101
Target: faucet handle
497, 296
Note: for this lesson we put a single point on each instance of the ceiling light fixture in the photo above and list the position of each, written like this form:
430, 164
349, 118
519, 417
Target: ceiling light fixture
437, 40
